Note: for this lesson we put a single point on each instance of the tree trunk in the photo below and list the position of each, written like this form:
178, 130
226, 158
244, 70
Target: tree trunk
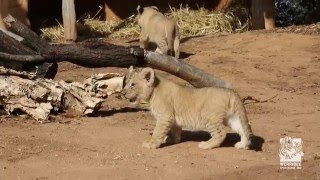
69, 20
263, 14
111, 16
269, 14
223, 4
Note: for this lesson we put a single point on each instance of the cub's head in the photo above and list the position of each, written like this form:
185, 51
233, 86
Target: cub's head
144, 14
138, 86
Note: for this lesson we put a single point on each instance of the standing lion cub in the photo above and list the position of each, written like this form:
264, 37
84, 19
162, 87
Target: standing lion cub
176, 107
159, 30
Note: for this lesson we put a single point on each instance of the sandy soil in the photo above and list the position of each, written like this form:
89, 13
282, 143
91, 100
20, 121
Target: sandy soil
260, 64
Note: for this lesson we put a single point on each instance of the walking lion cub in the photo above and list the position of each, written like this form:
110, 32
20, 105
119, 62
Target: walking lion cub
175, 107
159, 30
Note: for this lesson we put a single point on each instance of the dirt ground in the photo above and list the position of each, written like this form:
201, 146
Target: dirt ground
259, 64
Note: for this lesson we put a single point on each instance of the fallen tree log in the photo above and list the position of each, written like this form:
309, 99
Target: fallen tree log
14, 36
196, 77
36, 43
113, 55
21, 58
38, 97
10, 45
15, 55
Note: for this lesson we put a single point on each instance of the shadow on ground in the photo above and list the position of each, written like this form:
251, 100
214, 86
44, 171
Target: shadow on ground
231, 139
105, 113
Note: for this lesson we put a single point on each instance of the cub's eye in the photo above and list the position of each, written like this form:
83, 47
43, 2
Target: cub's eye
132, 85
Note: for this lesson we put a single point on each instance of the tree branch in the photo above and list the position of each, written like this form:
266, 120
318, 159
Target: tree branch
10, 45
21, 58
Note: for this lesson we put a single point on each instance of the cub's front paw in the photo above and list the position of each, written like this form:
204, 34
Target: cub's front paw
151, 145
204, 145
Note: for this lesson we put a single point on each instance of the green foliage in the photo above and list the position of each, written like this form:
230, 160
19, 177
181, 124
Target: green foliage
291, 12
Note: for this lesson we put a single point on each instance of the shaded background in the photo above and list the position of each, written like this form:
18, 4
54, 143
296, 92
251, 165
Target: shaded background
46, 13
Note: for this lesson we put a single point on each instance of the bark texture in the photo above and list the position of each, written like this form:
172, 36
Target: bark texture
38, 97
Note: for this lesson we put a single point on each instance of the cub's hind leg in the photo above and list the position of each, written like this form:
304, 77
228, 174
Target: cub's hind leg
218, 134
162, 47
144, 40
176, 47
239, 124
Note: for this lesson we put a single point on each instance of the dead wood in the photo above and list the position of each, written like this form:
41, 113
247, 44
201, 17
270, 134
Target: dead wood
39, 97
14, 36
11, 72
35, 42
10, 45
21, 58
115, 56
111, 56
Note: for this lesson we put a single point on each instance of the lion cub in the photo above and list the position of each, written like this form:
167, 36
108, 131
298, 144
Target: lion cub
175, 107
159, 30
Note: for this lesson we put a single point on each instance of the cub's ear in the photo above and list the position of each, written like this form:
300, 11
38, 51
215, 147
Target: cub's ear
128, 76
131, 70
147, 74
155, 8
139, 10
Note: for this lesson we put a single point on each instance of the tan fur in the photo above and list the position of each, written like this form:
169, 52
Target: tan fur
176, 107
159, 30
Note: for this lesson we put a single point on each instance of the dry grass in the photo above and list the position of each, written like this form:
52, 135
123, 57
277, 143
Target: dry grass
124, 29
52, 33
191, 23
92, 28
203, 22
